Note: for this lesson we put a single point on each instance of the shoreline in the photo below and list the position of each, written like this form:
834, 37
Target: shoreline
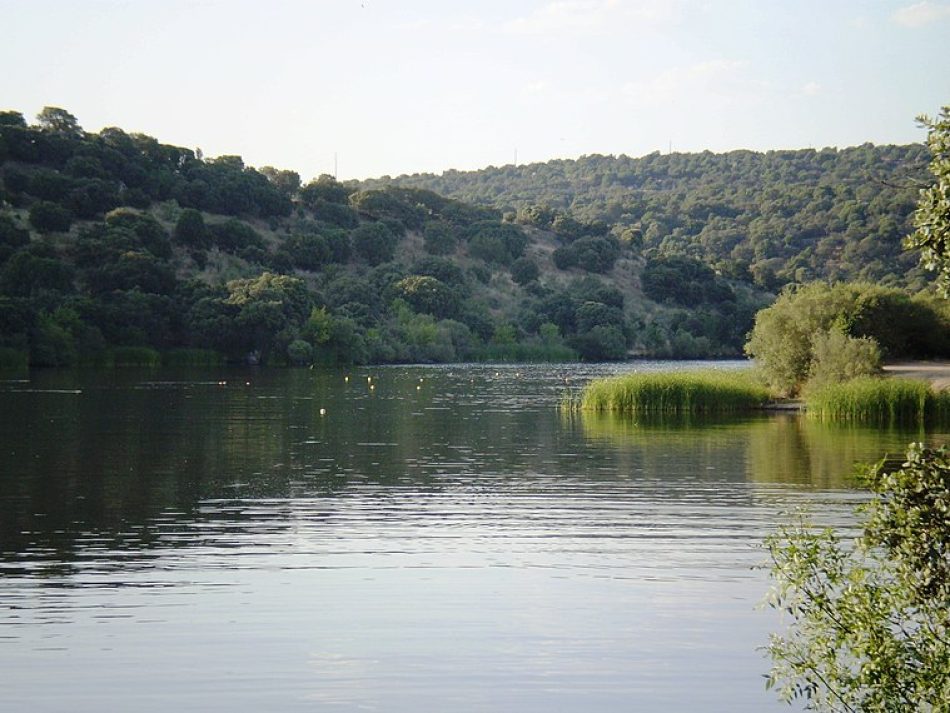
937, 373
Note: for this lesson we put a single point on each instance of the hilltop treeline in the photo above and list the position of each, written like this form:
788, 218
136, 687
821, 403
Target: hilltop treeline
116, 248
769, 218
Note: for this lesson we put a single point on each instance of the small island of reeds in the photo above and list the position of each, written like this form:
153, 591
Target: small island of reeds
680, 392
883, 401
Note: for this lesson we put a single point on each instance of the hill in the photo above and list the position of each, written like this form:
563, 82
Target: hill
767, 218
116, 248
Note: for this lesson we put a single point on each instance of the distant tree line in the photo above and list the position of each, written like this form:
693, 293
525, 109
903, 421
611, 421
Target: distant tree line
766, 219
112, 242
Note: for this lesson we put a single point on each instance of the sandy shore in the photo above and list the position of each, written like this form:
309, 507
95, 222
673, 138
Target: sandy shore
936, 372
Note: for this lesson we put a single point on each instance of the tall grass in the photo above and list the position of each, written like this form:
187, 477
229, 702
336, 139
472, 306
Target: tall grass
525, 353
192, 357
135, 356
13, 358
879, 401
680, 392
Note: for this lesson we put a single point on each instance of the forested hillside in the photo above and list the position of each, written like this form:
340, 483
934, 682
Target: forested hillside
116, 248
769, 218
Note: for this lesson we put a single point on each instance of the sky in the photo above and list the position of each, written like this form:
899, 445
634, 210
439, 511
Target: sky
365, 88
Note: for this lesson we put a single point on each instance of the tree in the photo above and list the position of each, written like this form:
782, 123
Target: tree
932, 217
50, 217
524, 270
59, 121
870, 625
374, 242
190, 229
267, 305
783, 339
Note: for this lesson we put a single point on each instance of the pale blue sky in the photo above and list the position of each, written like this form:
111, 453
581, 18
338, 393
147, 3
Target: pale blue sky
401, 86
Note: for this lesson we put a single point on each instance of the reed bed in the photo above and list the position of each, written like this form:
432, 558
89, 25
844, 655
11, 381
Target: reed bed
878, 400
679, 392
192, 357
135, 356
13, 358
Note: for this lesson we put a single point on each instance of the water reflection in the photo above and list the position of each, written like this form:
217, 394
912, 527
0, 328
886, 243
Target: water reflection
768, 449
284, 539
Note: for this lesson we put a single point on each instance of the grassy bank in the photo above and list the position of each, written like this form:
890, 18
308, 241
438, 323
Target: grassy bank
681, 392
880, 401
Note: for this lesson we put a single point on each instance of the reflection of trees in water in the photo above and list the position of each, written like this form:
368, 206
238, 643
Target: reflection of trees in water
129, 462
788, 449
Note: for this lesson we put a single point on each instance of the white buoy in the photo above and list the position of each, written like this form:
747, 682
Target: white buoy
323, 412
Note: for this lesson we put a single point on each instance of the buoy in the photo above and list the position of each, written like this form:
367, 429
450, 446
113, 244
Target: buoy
323, 412
346, 379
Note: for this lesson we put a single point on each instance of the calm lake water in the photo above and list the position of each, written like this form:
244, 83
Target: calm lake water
409, 539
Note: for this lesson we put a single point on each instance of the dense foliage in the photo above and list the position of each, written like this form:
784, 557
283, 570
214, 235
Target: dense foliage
932, 217
114, 247
113, 241
765, 218
869, 622
795, 338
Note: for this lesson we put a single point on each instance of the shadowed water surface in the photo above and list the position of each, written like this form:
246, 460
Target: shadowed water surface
405, 538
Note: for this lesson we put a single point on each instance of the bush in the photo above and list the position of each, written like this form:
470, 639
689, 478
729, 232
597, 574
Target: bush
524, 270
11, 235
836, 357
190, 230
870, 617
13, 358
439, 237
782, 340
50, 217
374, 242
300, 353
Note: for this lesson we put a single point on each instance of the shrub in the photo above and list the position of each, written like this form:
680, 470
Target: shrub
836, 357
50, 217
869, 617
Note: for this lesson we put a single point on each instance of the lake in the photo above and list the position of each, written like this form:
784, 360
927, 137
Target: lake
390, 538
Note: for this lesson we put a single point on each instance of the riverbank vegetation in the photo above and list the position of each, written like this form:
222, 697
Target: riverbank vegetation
869, 617
114, 240
684, 392
820, 334
879, 401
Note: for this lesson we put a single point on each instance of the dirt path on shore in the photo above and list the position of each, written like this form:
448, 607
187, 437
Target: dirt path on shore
936, 372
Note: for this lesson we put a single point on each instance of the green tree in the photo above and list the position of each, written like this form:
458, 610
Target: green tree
190, 230
374, 242
50, 217
932, 217
59, 121
267, 305
428, 294
870, 621
524, 270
